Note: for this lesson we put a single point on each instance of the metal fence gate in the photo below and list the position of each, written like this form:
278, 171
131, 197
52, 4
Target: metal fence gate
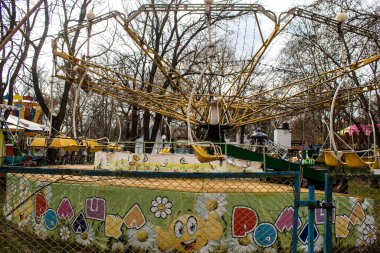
86, 210
344, 217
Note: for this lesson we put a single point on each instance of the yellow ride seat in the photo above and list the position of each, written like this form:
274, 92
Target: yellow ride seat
320, 159
164, 151
355, 162
375, 165
114, 147
93, 146
332, 158
204, 157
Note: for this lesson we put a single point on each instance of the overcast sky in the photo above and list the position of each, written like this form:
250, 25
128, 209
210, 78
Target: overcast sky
276, 6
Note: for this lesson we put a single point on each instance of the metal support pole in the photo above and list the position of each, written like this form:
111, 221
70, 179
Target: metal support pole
295, 215
311, 220
328, 215
264, 158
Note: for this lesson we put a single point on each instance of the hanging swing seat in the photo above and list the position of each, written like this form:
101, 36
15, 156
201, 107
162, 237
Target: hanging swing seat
164, 151
204, 157
320, 159
333, 158
93, 146
356, 162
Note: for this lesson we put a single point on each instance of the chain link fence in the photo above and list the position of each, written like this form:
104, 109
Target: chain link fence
86, 210
354, 221
357, 220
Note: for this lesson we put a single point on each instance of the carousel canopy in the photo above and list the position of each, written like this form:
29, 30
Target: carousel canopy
26, 124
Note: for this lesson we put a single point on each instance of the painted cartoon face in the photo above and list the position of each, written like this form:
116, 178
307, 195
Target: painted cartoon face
189, 233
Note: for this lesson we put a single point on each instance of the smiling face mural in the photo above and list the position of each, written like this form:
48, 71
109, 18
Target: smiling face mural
189, 232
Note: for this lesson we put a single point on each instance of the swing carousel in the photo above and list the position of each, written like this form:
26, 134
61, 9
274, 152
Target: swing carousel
231, 87
226, 100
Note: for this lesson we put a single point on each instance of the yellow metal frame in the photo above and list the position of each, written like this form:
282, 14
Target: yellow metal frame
236, 109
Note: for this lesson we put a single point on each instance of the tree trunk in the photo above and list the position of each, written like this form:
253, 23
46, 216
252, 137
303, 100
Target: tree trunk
135, 122
242, 129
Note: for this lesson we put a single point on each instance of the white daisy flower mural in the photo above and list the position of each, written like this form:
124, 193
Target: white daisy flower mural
23, 186
303, 249
208, 202
367, 232
64, 233
362, 201
210, 247
25, 214
143, 238
242, 245
118, 247
269, 250
318, 246
36, 220
40, 231
161, 207
22, 196
86, 238
22, 209
7, 211
45, 189
223, 245
23, 223
13, 187
11, 191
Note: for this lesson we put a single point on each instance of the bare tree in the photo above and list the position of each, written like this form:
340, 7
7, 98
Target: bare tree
311, 54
